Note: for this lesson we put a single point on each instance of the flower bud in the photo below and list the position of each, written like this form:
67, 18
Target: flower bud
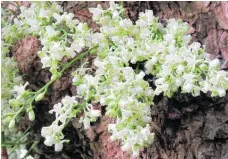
14, 103
180, 69
31, 115
86, 123
12, 124
93, 51
203, 67
7, 119
55, 76
40, 96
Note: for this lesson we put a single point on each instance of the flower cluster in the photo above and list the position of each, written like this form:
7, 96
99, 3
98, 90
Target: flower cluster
61, 35
127, 97
167, 56
184, 66
59, 42
63, 112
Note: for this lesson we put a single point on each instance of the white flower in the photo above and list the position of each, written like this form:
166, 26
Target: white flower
168, 38
126, 113
112, 127
43, 13
50, 31
125, 23
86, 123
159, 81
68, 16
78, 45
57, 51
90, 80
49, 141
29, 157
178, 82
58, 146
221, 92
171, 49
145, 132
97, 38
97, 12
95, 113
34, 25
215, 64
57, 109
136, 152
70, 52
186, 39
140, 76
17, 22
46, 131
180, 69
146, 119
189, 77
20, 90
46, 61
102, 100
172, 58
115, 14
126, 146
23, 152
150, 16
82, 88
69, 101
123, 103
57, 17
195, 46
205, 87
59, 8
149, 66
128, 73
188, 87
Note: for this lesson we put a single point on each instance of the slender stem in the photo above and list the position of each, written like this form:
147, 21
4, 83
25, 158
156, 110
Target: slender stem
137, 68
32, 147
122, 6
8, 114
80, 56
62, 71
21, 139
18, 112
6, 144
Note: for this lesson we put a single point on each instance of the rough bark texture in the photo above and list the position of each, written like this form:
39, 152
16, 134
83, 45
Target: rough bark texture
185, 127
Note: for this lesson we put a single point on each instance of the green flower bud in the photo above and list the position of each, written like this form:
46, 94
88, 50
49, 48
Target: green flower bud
12, 124
203, 67
93, 51
14, 103
8, 119
31, 115
40, 96
55, 76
